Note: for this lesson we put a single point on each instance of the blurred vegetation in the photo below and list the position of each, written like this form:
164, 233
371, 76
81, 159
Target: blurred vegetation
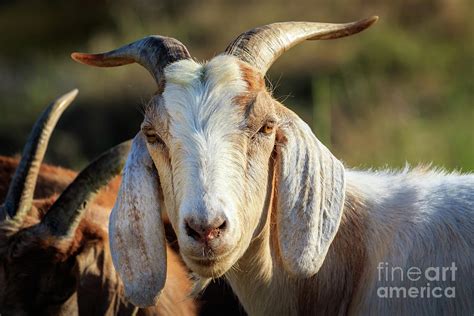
399, 92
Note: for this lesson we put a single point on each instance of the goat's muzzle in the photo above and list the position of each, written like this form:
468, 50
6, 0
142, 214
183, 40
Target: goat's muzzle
206, 232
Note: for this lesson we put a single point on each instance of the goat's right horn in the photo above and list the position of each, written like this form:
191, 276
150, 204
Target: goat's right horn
153, 52
20, 192
261, 46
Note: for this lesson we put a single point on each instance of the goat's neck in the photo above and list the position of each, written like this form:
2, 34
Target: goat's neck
263, 286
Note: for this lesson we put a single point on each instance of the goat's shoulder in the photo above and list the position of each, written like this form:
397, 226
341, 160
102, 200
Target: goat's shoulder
416, 217
421, 190
415, 210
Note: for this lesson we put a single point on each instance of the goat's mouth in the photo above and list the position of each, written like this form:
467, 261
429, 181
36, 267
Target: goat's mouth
205, 262
210, 257
210, 266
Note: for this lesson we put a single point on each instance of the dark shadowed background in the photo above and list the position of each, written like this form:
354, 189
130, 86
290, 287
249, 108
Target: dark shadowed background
399, 92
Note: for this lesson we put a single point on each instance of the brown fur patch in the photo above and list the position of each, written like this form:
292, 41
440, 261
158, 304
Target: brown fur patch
161, 87
352, 238
51, 179
275, 164
280, 138
339, 278
255, 83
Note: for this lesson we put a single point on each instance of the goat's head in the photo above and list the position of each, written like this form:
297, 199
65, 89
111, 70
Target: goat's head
39, 239
212, 146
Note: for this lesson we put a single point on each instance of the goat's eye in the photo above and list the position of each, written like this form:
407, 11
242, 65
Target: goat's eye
152, 137
267, 128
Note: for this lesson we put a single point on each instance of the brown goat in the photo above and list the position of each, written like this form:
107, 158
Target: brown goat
54, 250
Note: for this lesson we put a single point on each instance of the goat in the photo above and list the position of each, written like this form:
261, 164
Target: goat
54, 254
255, 197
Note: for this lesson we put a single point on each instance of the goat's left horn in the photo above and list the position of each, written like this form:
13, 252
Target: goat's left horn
21, 190
64, 215
153, 52
261, 46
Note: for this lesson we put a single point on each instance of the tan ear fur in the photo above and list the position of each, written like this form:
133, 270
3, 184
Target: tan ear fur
137, 238
311, 191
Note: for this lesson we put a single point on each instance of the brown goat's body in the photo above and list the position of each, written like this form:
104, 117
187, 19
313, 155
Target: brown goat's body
98, 290
51, 180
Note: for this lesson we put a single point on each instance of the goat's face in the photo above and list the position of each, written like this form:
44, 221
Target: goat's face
217, 152
211, 135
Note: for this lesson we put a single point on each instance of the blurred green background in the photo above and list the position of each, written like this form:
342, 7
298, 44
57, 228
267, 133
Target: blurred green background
399, 92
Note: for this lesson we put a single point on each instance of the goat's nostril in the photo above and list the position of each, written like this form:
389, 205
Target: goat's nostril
192, 232
223, 226
215, 231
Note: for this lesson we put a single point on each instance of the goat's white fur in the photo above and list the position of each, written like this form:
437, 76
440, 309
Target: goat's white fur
202, 121
411, 218
205, 163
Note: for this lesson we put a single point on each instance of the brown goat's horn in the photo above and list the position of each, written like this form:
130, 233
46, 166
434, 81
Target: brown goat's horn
20, 192
64, 215
153, 52
261, 46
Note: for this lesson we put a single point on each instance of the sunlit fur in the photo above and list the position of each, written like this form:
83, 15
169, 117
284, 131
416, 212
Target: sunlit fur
205, 165
320, 254
413, 218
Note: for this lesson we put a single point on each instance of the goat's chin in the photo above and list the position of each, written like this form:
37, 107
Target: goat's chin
210, 268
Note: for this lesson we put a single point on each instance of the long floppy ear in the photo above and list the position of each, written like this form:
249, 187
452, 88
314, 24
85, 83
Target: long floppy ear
137, 238
311, 191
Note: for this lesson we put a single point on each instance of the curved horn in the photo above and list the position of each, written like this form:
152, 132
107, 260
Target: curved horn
64, 215
152, 52
20, 192
261, 46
